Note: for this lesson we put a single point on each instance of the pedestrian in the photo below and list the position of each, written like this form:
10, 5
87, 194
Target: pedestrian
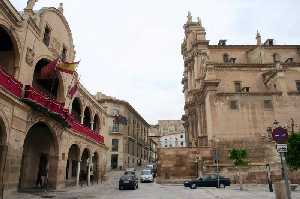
44, 176
39, 179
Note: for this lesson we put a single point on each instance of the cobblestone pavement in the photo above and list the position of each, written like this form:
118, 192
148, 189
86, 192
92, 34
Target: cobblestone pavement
109, 190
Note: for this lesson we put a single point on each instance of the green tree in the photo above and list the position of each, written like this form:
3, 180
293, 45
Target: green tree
239, 159
293, 154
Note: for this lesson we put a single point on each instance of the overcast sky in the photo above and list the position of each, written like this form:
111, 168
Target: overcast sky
130, 49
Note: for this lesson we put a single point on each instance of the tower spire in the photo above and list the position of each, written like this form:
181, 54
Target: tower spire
199, 21
189, 17
258, 38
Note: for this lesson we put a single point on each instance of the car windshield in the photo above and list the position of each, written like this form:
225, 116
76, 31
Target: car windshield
149, 166
146, 172
129, 173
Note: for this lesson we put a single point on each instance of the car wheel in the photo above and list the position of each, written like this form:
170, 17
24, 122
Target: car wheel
193, 186
121, 188
137, 186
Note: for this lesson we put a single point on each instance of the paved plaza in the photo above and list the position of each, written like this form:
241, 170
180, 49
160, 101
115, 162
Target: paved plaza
109, 190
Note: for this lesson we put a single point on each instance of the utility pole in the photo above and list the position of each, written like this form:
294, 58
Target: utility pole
285, 175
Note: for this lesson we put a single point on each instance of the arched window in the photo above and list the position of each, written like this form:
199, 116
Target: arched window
7, 52
46, 84
76, 109
225, 58
96, 124
87, 117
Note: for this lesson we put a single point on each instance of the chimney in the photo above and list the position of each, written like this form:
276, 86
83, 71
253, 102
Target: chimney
222, 42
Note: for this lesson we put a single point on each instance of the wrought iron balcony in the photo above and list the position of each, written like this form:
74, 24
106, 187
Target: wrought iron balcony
9, 83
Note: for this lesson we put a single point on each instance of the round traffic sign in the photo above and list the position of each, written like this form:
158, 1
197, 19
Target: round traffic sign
280, 135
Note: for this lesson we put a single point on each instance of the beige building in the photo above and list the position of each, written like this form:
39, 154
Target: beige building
44, 129
154, 142
127, 137
234, 93
166, 127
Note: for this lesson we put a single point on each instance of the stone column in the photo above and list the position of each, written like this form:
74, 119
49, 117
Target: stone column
92, 125
78, 173
70, 169
89, 171
81, 118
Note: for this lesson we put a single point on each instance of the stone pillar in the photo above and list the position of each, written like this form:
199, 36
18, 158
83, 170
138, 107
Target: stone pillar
81, 119
70, 169
92, 125
89, 171
78, 173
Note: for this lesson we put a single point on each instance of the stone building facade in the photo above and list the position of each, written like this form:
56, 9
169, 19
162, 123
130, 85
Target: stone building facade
127, 136
43, 127
172, 140
234, 93
166, 127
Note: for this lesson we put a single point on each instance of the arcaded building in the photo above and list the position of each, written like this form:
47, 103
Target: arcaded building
234, 93
127, 137
44, 126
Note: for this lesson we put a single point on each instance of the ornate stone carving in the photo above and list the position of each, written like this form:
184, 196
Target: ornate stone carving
30, 56
55, 46
30, 4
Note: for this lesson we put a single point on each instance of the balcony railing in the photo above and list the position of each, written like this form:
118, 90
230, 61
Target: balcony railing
79, 128
51, 106
9, 83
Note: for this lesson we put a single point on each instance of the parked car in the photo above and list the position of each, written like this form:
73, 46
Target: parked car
146, 176
151, 167
128, 180
208, 181
130, 169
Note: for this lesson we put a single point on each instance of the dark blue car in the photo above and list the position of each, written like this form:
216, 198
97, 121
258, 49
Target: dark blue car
208, 181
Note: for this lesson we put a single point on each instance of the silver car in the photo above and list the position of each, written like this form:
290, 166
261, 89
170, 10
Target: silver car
146, 176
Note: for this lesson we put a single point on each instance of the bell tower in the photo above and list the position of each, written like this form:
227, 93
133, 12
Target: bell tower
195, 53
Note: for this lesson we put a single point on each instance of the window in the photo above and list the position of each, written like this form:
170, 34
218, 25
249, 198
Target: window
64, 54
116, 126
268, 104
237, 86
114, 144
181, 136
226, 58
298, 85
46, 39
234, 104
166, 146
115, 112
181, 143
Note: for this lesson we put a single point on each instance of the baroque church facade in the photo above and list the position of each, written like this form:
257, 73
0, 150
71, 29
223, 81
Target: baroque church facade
236, 94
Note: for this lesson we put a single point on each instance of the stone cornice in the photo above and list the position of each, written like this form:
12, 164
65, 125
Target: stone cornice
252, 46
11, 12
126, 104
249, 93
91, 98
294, 93
251, 66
